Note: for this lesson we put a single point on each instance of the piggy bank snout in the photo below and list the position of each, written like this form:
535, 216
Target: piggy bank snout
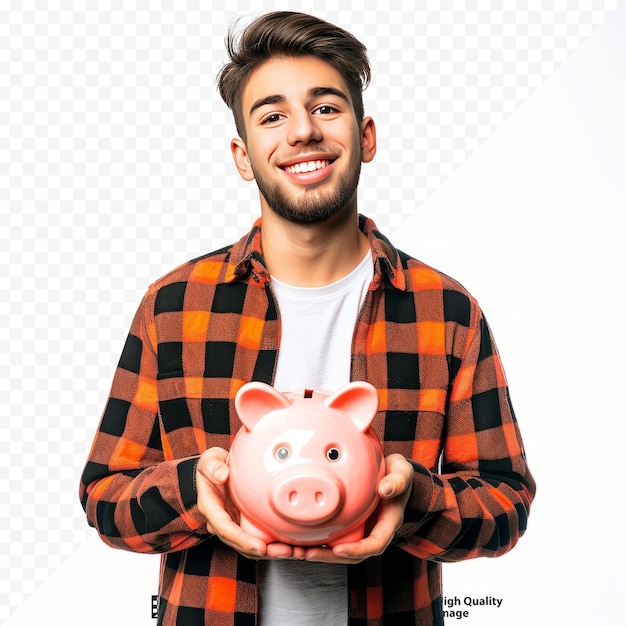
307, 499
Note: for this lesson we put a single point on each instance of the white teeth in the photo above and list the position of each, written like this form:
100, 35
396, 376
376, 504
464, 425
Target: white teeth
306, 166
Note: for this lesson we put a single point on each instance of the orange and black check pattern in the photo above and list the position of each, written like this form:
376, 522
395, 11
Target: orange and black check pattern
211, 325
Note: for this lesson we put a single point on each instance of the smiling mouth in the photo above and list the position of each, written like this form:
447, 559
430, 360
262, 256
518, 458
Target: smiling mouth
307, 166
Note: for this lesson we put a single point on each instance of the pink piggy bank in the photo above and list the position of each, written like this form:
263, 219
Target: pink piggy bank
304, 468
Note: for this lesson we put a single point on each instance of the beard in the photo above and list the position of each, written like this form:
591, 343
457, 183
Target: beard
312, 206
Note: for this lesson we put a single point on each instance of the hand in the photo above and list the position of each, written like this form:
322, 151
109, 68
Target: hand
215, 503
394, 490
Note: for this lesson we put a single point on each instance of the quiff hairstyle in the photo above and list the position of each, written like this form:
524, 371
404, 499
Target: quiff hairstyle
290, 34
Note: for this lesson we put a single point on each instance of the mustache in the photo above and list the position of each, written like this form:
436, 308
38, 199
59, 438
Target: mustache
328, 153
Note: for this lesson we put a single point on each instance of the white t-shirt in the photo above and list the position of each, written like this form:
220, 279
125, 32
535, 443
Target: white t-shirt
317, 325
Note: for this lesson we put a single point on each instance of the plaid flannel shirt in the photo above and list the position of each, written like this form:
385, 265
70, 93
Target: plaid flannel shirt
211, 325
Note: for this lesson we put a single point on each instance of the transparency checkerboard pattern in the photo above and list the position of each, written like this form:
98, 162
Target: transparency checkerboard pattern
115, 167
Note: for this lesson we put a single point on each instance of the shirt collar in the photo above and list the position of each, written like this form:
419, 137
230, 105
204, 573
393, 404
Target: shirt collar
246, 257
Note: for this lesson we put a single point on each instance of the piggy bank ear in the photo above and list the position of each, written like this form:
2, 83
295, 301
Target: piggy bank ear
255, 400
359, 400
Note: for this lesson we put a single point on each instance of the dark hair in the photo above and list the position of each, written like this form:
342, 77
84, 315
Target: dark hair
290, 34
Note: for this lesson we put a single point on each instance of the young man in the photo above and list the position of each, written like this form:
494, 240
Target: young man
313, 296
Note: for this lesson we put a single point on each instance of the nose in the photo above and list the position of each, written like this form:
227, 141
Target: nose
303, 128
307, 500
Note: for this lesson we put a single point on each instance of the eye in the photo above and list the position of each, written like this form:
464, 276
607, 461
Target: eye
274, 118
326, 109
282, 453
333, 454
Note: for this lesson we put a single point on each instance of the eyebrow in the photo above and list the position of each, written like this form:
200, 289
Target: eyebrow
314, 92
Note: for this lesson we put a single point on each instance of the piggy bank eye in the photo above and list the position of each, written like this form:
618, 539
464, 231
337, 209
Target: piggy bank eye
282, 453
333, 454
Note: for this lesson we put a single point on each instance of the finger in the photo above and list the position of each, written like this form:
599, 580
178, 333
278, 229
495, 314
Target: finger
372, 545
213, 465
230, 533
219, 472
398, 477
325, 555
389, 518
299, 552
283, 551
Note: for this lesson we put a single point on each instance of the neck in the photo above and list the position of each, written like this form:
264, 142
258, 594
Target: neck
312, 255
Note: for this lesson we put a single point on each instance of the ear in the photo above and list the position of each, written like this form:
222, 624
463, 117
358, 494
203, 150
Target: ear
359, 400
241, 158
368, 139
255, 400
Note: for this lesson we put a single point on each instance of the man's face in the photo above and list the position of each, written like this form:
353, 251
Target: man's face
304, 146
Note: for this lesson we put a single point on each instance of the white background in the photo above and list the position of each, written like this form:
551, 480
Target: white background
501, 162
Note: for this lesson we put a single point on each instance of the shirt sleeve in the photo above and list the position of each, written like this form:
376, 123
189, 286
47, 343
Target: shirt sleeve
135, 497
479, 501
